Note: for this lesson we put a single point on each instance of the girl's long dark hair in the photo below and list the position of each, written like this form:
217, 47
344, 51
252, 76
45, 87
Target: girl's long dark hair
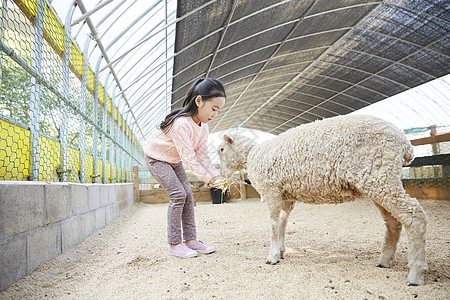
206, 88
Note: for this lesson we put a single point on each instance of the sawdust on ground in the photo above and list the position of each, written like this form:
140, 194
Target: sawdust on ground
332, 252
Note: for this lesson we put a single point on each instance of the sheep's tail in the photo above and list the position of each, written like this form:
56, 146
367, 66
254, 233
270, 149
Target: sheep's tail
408, 153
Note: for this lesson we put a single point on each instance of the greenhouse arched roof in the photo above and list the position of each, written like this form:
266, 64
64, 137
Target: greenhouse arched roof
283, 63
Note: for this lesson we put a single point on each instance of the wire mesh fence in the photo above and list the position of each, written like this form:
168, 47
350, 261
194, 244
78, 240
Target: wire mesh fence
57, 122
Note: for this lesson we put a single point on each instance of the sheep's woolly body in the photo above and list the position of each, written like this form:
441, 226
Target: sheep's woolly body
333, 161
329, 161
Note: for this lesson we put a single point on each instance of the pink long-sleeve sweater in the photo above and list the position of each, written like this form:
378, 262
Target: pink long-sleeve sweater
186, 141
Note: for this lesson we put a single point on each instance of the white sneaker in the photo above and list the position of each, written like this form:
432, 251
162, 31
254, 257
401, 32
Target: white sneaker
182, 251
201, 247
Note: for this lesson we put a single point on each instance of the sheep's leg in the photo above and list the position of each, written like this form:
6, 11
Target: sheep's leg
416, 231
414, 219
393, 229
284, 215
274, 252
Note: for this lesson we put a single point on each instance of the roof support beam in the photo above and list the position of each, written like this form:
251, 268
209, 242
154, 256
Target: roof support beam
91, 12
125, 30
106, 16
230, 16
105, 55
402, 59
152, 35
265, 64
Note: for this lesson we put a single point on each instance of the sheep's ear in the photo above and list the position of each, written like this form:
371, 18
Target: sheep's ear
227, 139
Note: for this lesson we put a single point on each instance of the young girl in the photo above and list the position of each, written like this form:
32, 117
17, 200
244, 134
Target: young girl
182, 140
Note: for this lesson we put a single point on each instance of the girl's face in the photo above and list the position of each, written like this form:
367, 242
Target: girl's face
208, 109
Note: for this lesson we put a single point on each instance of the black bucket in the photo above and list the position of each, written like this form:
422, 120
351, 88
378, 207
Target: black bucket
217, 196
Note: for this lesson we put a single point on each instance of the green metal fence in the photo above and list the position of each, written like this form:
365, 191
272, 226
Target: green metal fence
57, 122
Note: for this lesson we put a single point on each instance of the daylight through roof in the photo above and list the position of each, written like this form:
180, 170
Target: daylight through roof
283, 63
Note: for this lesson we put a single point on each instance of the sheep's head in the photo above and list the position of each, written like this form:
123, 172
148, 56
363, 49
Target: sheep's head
233, 154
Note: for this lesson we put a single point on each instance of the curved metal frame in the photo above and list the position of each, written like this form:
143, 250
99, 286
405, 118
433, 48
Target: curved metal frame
139, 90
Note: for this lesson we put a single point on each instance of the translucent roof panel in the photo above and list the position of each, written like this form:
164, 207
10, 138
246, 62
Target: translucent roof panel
420, 107
283, 63
130, 45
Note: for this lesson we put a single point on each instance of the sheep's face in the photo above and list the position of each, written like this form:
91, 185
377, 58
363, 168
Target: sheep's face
233, 154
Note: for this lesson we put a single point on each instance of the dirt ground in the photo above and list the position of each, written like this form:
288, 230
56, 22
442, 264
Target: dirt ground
332, 254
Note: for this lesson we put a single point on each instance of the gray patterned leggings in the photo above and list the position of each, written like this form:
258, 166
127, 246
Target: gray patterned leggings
174, 180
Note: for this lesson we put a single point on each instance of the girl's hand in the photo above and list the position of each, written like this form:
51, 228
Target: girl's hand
218, 182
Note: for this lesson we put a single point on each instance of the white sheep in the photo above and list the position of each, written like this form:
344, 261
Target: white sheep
334, 160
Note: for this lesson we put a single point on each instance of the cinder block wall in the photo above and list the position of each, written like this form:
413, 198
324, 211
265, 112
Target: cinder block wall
39, 221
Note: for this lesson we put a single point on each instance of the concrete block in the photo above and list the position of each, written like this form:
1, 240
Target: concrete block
130, 201
121, 192
57, 202
124, 191
94, 196
125, 196
71, 233
21, 207
116, 210
80, 198
13, 260
88, 224
123, 205
100, 218
112, 194
111, 212
43, 244
104, 195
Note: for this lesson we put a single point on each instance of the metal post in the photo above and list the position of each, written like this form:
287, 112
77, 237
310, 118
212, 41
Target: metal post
125, 157
119, 141
36, 89
83, 109
124, 145
133, 148
112, 147
104, 124
117, 158
95, 112
122, 153
4, 21
118, 151
435, 150
128, 147
65, 92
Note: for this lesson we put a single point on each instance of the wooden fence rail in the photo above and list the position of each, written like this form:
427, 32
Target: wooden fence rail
147, 190
430, 188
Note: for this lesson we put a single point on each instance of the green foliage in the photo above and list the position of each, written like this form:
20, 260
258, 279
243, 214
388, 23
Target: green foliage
15, 91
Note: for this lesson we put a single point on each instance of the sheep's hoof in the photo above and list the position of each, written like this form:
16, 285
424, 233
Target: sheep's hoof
384, 262
272, 262
415, 280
